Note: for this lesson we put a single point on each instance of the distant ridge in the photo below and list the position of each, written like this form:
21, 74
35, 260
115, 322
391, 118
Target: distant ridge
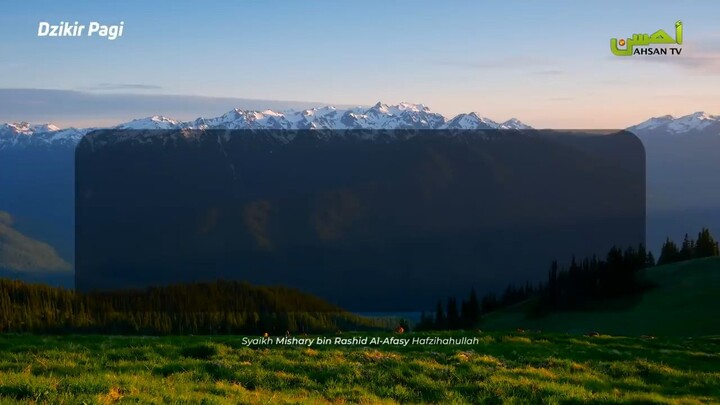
698, 122
680, 305
379, 116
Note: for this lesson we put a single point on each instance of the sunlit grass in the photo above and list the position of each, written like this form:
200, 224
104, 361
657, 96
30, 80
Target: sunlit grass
503, 368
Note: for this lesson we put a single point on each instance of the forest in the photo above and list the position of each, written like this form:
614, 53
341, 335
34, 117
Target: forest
581, 285
229, 307
221, 307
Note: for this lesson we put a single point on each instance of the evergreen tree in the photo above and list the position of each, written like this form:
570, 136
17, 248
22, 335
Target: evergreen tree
706, 245
649, 260
219, 307
427, 322
472, 315
669, 253
452, 314
440, 322
688, 246
489, 303
583, 282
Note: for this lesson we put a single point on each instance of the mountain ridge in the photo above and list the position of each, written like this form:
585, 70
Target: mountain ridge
379, 116
698, 121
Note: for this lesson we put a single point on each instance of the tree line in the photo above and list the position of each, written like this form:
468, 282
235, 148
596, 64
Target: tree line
577, 286
704, 246
222, 307
226, 307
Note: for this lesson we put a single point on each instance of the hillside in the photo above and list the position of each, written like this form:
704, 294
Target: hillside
221, 307
682, 304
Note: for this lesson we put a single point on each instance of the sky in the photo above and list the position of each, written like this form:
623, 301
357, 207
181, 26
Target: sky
547, 63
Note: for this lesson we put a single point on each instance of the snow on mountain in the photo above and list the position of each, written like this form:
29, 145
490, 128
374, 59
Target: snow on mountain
698, 122
154, 122
514, 123
379, 116
402, 116
24, 134
694, 122
653, 123
471, 121
24, 128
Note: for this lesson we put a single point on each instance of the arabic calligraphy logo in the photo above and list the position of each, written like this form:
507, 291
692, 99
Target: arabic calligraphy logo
630, 46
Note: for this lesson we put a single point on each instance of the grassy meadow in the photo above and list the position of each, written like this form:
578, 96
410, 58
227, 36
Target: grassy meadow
683, 303
670, 355
502, 368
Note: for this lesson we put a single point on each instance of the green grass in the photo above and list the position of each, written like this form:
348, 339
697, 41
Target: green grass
502, 368
551, 367
684, 303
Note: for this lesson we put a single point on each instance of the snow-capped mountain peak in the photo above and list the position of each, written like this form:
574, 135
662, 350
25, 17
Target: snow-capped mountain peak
23, 134
695, 121
702, 115
42, 128
413, 107
471, 121
25, 128
653, 123
699, 121
400, 108
514, 123
154, 122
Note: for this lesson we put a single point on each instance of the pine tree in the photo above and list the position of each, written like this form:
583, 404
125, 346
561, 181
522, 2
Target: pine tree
452, 314
553, 290
440, 322
471, 309
669, 253
706, 245
688, 246
489, 303
426, 322
650, 259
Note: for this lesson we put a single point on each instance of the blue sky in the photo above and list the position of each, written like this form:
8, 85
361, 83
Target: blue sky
545, 62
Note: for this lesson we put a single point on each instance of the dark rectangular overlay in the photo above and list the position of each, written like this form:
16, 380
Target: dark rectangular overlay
367, 220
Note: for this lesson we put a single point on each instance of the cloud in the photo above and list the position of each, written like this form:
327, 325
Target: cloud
519, 61
702, 64
702, 58
85, 108
532, 66
549, 72
122, 86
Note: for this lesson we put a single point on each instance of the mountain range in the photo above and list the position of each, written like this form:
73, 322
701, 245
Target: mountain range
698, 123
379, 116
